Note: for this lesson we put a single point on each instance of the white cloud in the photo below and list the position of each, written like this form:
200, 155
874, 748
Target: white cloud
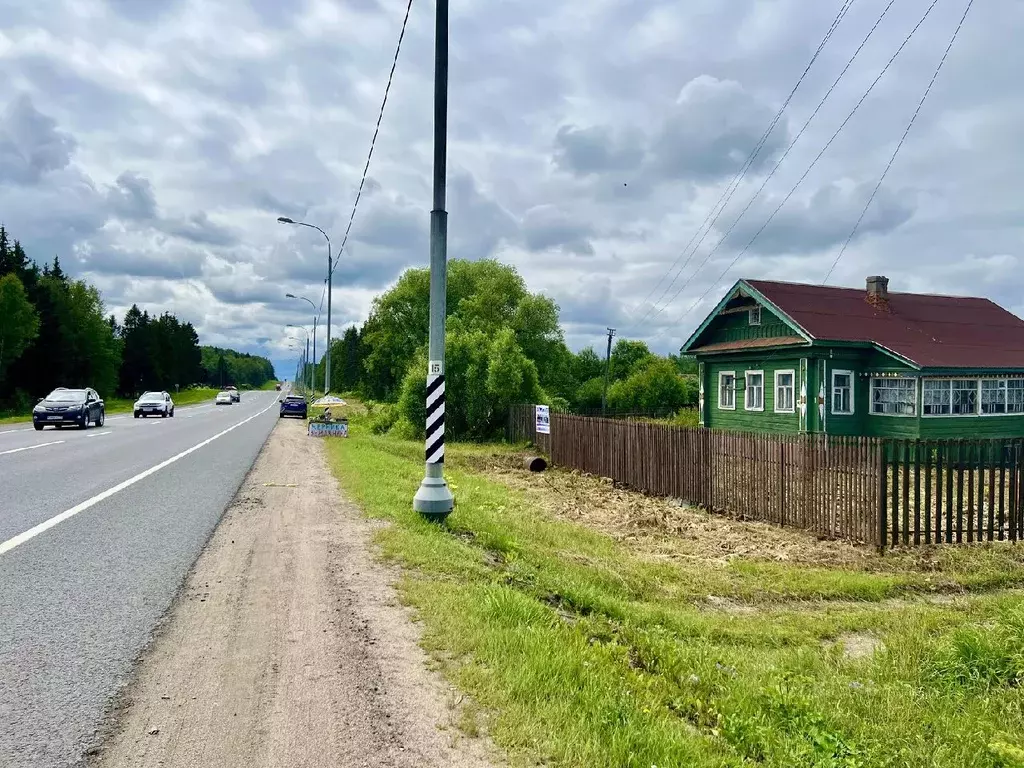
153, 145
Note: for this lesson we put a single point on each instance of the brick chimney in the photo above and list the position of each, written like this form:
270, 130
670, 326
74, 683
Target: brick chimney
878, 292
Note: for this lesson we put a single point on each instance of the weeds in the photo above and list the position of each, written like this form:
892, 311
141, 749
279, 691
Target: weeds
587, 650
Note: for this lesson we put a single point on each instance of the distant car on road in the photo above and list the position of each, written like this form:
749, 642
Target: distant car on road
80, 407
277, 386
154, 404
294, 405
224, 398
236, 396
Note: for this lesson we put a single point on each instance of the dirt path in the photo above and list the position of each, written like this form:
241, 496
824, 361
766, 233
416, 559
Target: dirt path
287, 646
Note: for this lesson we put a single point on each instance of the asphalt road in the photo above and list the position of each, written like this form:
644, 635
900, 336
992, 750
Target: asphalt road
98, 528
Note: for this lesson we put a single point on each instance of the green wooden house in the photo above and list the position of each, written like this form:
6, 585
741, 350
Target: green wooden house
794, 358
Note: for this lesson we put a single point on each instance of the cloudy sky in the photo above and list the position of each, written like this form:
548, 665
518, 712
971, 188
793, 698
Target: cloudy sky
152, 145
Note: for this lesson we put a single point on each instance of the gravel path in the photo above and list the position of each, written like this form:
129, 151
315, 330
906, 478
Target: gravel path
287, 645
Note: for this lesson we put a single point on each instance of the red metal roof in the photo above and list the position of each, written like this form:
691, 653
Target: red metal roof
931, 331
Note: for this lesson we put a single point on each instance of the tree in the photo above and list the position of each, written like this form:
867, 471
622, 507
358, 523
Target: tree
483, 296
686, 364
629, 357
587, 365
19, 323
484, 376
656, 386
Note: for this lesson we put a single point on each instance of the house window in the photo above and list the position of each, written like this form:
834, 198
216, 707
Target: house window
842, 392
727, 390
993, 395
964, 396
1015, 396
784, 391
892, 396
754, 399
754, 316
937, 396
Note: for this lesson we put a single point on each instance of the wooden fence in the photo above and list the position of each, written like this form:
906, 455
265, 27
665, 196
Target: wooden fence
884, 492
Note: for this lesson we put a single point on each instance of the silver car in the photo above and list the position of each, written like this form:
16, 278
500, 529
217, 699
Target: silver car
154, 404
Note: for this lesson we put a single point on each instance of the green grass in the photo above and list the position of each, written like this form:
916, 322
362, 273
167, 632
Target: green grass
115, 405
579, 650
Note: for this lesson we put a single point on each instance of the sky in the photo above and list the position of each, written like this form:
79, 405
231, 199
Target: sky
601, 147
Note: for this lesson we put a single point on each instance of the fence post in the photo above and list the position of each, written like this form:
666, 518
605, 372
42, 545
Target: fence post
883, 503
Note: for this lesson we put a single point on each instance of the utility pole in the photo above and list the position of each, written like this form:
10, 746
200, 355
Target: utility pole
607, 369
309, 371
434, 499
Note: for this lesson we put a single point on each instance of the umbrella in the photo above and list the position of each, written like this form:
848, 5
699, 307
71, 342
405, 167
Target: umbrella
330, 400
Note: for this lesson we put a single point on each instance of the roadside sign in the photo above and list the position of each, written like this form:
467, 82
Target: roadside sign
543, 420
436, 368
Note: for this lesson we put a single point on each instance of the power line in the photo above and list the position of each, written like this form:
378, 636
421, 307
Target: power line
807, 172
903, 138
733, 185
373, 141
789, 149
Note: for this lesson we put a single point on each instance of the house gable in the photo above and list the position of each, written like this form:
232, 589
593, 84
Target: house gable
744, 319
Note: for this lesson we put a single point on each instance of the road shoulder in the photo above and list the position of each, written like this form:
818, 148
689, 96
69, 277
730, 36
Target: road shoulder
287, 644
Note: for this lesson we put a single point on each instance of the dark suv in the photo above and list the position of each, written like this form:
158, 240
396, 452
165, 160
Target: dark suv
80, 407
293, 405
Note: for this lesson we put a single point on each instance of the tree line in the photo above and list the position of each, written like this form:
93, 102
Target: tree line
504, 346
55, 331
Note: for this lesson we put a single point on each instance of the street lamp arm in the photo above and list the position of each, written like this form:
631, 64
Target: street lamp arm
293, 296
313, 226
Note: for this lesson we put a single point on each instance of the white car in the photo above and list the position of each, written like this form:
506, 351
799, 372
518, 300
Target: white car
154, 404
224, 398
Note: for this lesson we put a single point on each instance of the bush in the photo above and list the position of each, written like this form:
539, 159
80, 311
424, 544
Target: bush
383, 417
486, 374
656, 386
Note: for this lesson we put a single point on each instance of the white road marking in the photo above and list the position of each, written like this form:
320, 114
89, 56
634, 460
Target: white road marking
12, 431
30, 447
99, 434
46, 525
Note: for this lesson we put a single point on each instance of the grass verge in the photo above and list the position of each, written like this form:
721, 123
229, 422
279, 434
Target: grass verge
582, 647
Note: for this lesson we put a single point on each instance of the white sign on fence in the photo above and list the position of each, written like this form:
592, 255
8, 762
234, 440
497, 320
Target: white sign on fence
543, 420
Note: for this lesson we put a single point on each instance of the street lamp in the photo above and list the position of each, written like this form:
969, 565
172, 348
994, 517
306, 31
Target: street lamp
434, 499
330, 269
305, 330
316, 318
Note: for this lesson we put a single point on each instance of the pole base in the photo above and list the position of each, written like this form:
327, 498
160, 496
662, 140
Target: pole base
434, 500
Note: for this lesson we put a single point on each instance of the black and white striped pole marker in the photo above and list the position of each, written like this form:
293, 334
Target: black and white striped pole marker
434, 499
435, 418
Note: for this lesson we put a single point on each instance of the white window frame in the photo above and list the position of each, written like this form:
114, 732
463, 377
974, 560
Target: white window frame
754, 315
746, 387
722, 374
917, 397
1008, 413
832, 403
978, 412
791, 372
948, 381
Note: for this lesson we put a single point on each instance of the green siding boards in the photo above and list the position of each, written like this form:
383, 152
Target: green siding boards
814, 362
740, 419
735, 326
815, 373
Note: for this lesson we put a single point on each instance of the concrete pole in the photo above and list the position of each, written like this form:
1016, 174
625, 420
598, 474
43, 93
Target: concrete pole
327, 354
607, 369
434, 499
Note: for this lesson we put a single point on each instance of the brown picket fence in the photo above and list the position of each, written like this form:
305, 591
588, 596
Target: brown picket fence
884, 492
